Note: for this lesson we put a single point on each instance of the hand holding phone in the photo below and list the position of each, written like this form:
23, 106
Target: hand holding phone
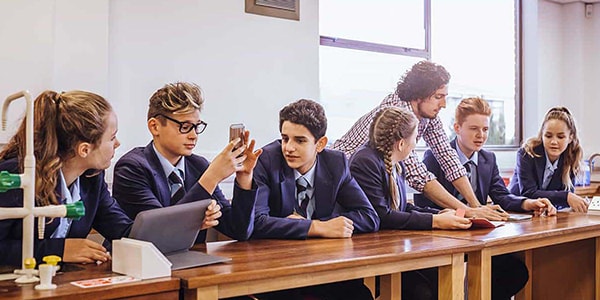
235, 131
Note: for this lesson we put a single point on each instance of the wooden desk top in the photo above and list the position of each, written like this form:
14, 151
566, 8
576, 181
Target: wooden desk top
538, 232
65, 290
264, 259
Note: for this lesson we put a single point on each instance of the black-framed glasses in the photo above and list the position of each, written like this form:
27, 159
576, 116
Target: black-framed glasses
185, 127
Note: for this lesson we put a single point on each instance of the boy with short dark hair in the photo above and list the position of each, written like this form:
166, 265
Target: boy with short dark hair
305, 190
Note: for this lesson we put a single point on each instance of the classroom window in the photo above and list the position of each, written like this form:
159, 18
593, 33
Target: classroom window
366, 46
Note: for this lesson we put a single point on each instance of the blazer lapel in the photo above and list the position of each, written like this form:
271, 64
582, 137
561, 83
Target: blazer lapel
192, 174
540, 166
484, 175
162, 184
323, 192
288, 190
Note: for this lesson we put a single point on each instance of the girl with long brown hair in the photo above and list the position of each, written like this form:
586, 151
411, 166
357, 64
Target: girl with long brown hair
75, 140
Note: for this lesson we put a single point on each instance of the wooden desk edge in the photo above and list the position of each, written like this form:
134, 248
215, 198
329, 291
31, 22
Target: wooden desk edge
193, 282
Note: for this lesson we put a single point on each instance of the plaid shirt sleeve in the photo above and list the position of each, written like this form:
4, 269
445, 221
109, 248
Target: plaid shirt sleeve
438, 142
358, 134
416, 172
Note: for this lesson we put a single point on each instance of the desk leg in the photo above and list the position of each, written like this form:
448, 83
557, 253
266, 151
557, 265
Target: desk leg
390, 286
203, 293
526, 293
597, 285
451, 284
479, 273
370, 283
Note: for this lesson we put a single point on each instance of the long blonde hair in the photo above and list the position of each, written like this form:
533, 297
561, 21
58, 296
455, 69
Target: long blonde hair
388, 127
61, 121
573, 153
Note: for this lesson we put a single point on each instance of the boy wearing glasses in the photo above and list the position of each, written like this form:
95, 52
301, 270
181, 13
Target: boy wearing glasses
166, 172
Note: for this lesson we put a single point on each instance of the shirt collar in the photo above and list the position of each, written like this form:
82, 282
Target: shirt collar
167, 167
463, 158
70, 195
309, 176
404, 104
551, 166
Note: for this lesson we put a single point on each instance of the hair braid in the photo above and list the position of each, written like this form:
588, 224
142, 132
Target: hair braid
389, 126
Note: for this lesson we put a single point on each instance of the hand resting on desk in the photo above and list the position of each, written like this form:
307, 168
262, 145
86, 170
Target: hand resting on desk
84, 251
490, 212
340, 227
539, 206
447, 219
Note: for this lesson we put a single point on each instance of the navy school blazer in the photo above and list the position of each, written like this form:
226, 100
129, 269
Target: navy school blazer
529, 176
336, 194
368, 168
101, 213
140, 184
489, 182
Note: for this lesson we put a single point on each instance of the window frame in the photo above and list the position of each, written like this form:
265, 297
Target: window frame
426, 54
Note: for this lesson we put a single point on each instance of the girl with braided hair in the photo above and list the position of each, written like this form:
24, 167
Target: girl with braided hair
378, 169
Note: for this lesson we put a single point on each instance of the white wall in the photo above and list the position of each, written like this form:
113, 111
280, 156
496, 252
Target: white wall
568, 68
60, 45
248, 65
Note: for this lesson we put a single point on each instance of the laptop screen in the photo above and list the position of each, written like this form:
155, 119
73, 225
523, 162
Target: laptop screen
171, 229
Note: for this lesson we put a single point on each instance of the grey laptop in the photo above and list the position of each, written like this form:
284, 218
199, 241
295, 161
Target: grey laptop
173, 231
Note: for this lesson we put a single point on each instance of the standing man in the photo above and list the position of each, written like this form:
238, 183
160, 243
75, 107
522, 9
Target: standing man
423, 90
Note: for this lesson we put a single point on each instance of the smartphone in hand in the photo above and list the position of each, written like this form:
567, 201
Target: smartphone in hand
235, 131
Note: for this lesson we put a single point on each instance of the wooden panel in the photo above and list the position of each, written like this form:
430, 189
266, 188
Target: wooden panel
451, 279
391, 286
479, 274
564, 271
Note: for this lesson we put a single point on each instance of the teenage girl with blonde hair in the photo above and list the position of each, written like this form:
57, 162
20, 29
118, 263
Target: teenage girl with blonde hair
548, 163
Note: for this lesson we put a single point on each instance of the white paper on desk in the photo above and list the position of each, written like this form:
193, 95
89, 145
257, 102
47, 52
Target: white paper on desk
96, 282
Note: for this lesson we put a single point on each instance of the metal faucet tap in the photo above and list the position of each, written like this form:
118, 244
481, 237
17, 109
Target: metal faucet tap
591, 161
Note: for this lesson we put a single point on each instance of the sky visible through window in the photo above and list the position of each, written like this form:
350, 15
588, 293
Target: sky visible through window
474, 40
